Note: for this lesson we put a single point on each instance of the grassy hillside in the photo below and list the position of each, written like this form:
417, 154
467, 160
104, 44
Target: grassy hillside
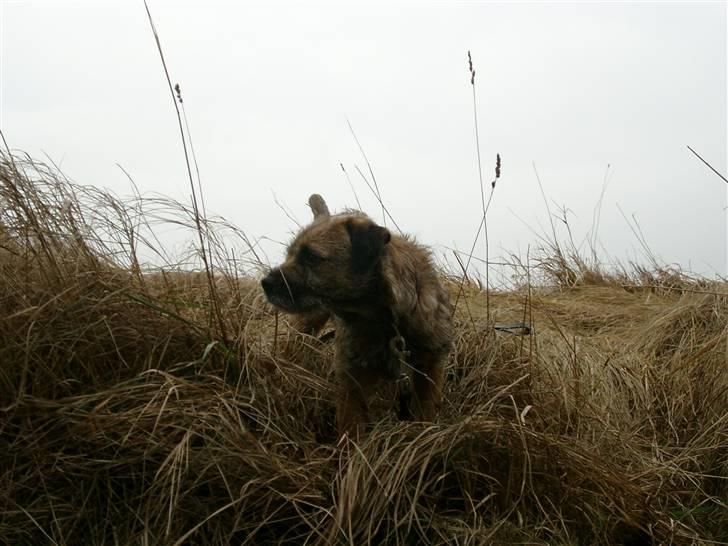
170, 407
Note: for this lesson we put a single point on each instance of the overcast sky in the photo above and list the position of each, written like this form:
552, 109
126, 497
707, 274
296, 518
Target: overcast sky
268, 89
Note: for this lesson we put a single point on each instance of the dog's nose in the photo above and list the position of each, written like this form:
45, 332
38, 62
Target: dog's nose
269, 281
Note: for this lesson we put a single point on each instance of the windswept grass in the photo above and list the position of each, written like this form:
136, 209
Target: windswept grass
130, 415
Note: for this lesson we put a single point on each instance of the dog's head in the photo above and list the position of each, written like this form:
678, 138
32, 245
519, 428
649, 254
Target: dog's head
331, 263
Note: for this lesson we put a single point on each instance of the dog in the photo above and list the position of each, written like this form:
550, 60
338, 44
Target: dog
392, 315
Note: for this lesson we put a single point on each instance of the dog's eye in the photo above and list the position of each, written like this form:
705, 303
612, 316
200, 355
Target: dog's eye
306, 256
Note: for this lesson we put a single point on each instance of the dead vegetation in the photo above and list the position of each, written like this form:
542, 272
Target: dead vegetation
129, 414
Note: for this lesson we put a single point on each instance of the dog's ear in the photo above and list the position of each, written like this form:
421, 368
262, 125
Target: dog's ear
367, 243
318, 206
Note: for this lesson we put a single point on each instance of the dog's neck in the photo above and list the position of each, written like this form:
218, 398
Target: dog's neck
373, 304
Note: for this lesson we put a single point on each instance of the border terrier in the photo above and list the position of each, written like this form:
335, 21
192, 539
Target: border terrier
392, 315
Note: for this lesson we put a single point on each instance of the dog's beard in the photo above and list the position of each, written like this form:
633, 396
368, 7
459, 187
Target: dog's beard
296, 303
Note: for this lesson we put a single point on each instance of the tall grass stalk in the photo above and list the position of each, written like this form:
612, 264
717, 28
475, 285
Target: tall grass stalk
199, 218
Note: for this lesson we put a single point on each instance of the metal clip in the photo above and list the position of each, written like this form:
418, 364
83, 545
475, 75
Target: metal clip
404, 391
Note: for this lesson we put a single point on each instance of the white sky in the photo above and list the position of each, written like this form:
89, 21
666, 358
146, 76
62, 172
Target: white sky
268, 88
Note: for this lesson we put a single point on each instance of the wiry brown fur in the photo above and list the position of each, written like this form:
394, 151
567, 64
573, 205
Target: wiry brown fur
378, 287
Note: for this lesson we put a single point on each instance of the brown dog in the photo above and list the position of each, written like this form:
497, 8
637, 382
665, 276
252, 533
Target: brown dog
393, 317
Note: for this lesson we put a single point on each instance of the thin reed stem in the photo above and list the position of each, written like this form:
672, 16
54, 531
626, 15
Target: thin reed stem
214, 300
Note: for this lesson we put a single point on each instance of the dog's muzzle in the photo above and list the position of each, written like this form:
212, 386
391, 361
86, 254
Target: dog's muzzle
273, 283
287, 295
277, 290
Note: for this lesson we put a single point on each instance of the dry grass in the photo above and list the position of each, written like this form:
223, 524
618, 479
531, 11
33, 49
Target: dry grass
127, 417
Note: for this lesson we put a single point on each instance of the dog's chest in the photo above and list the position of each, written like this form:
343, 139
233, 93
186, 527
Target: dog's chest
365, 345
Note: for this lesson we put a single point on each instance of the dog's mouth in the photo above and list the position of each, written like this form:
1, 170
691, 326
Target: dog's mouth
287, 296
298, 305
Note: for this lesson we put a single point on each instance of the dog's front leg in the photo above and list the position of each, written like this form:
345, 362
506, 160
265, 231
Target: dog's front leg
352, 410
428, 381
